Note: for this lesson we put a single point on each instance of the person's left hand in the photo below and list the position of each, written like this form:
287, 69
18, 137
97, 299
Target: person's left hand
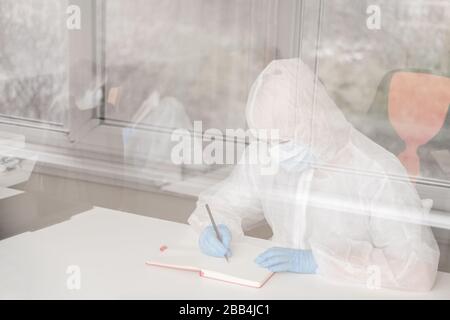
287, 260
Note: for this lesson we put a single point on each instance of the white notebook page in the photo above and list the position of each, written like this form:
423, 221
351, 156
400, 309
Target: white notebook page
240, 269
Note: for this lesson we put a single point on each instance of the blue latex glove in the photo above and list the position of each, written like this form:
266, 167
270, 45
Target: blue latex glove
287, 260
211, 246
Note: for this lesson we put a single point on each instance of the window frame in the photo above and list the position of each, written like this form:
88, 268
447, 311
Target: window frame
102, 128
76, 122
99, 141
88, 132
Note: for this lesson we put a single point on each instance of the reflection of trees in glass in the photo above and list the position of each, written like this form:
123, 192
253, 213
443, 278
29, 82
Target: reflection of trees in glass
354, 59
32, 59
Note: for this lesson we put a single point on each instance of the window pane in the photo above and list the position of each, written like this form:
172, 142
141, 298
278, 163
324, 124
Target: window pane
387, 65
205, 54
33, 54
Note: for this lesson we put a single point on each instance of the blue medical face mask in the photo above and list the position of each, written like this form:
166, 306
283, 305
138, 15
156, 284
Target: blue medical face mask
293, 157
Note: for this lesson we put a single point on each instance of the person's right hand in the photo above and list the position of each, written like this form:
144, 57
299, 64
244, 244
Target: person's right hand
211, 246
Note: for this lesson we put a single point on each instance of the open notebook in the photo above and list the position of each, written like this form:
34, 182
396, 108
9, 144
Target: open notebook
241, 268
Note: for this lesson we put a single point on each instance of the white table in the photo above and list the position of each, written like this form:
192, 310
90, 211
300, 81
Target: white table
111, 247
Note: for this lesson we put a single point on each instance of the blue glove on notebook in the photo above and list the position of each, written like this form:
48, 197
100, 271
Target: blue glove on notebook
211, 246
287, 260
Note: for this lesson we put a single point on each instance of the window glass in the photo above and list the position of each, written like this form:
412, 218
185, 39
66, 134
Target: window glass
202, 54
387, 66
33, 55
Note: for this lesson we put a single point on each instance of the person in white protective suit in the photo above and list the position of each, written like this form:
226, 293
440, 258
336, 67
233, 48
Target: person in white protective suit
338, 205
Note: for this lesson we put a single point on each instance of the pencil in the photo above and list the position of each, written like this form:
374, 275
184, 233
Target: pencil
216, 230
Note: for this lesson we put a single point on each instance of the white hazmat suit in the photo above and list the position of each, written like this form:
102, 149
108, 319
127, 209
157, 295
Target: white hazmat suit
352, 207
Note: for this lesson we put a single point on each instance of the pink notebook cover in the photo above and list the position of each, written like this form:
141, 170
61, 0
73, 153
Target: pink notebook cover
241, 266
202, 274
